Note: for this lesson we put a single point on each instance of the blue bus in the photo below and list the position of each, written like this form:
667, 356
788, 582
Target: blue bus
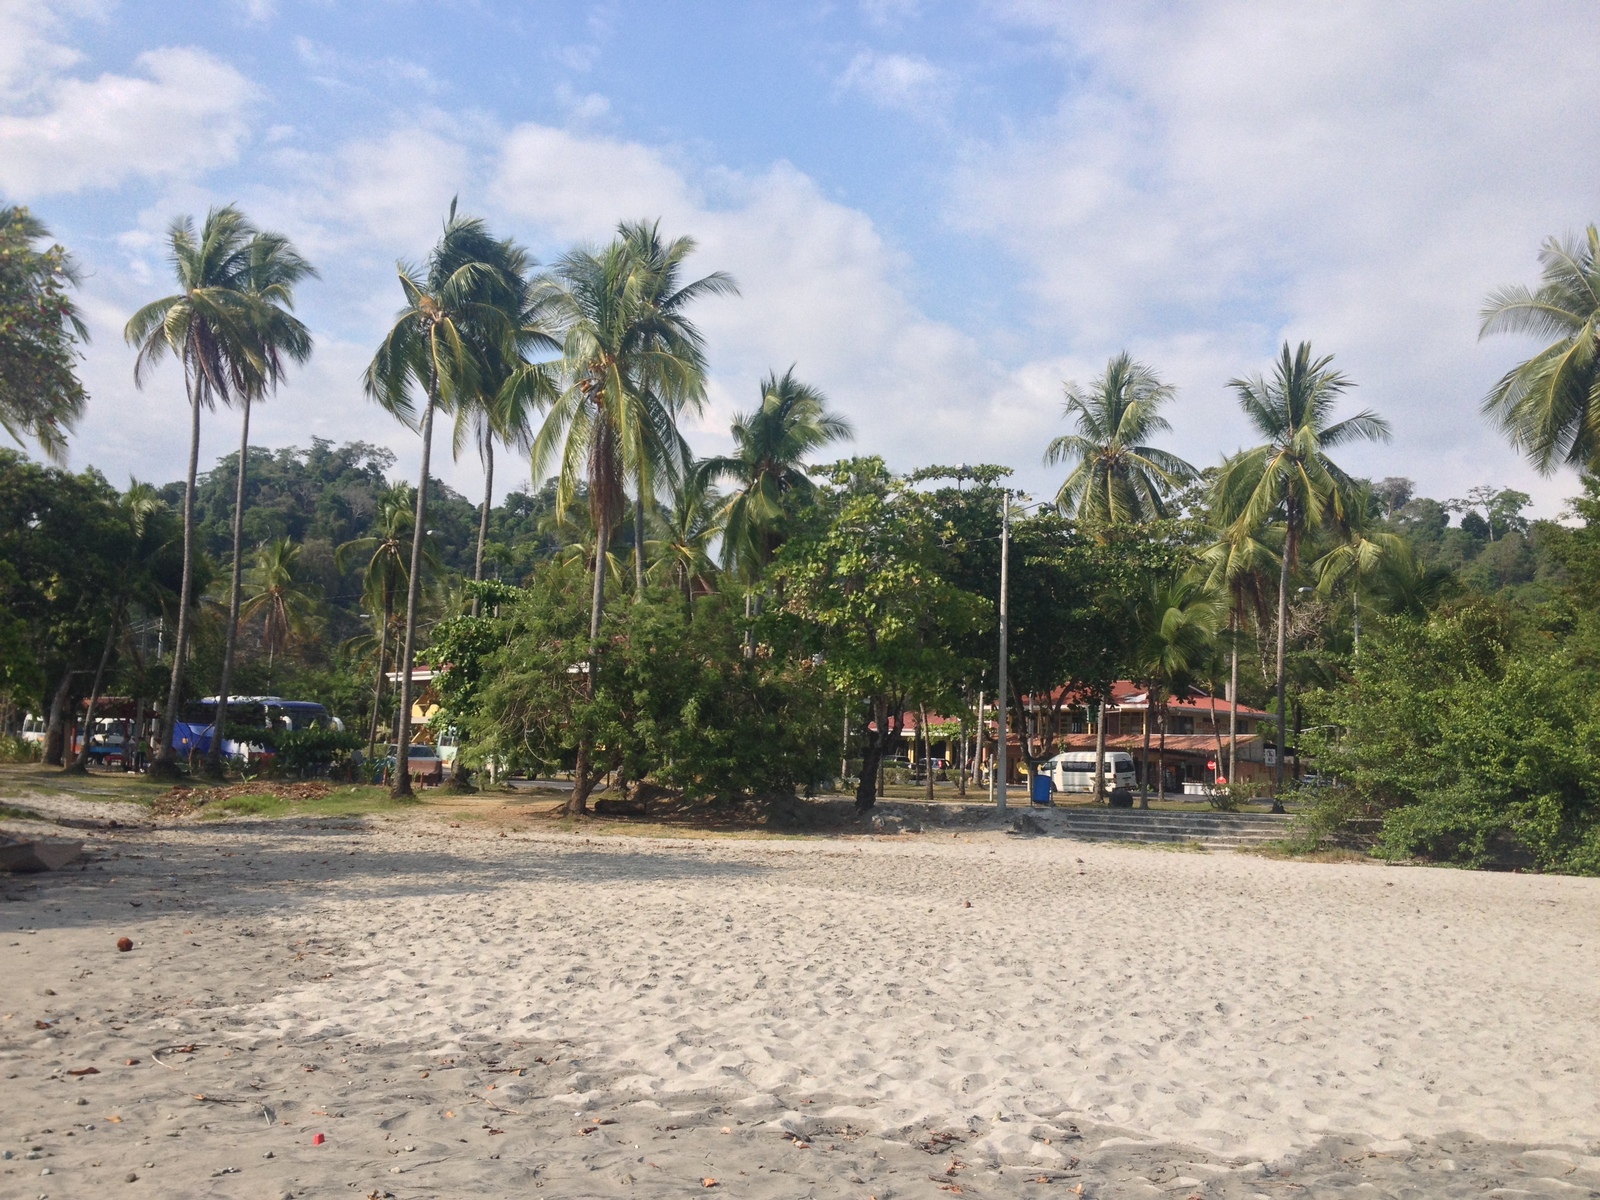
191, 732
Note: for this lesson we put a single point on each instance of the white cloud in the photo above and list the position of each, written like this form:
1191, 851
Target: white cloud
184, 113
1221, 176
896, 80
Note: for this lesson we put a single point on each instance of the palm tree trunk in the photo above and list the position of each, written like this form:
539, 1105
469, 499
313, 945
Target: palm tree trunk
219, 729
1233, 701
1283, 644
1144, 780
81, 765
483, 518
638, 549
401, 788
578, 803
1161, 755
377, 687
163, 765
927, 748
1100, 751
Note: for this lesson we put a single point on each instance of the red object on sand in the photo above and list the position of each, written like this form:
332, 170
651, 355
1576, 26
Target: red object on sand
317, 1139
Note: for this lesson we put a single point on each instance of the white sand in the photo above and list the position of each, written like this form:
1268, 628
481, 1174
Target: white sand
1223, 1001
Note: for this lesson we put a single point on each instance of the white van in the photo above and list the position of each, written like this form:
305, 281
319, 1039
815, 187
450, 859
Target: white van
1073, 771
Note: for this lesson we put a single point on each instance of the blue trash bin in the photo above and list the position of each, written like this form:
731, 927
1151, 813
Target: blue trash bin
1043, 785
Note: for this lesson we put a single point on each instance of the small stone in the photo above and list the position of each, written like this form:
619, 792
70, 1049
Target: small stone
82, 1100
409, 1148
269, 1154
131, 1177
47, 1171
394, 1170
147, 1165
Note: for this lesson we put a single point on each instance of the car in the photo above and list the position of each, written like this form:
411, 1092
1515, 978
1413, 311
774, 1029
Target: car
423, 761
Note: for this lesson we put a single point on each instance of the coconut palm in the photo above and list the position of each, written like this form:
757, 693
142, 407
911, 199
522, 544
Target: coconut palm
686, 530
286, 606
1176, 621
1289, 480
1118, 478
511, 385
275, 268
1549, 405
1359, 550
40, 395
459, 303
387, 552
768, 465
632, 360
1239, 566
210, 327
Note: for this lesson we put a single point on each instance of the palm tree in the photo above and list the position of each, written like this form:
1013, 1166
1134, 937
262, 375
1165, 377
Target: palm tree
1177, 621
1240, 565
1359, 550
1118, 478
632, 361
209, 326
1289, 480
768, 465
686, 531
459, 303
1549, 405
510, 387
386, 551
275, 268
135, 508
40, 395
286, 606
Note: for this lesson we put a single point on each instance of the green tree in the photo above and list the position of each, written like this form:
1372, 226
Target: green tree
632, 360
1176, 622
40, 395
1289, 480
460, 300
285, 605
1549, 404
685, 533
768, 468
210, 327
1118, 478
275, 268
1359, 550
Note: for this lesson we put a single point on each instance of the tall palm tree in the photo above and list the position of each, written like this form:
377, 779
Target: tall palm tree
1289, 480
387, 552
1177, 621
460, 301
1118, 477
40, 395
512, 386
1549, 405
209, 326
768, 466
686, 530
286, 606
632, 360
275, 268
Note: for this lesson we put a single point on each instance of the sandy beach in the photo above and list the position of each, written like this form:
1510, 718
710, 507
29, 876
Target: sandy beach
473, 1010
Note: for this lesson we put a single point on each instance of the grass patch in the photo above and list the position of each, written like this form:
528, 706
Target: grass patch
23, 779
1297, 852
266, 802
9, 812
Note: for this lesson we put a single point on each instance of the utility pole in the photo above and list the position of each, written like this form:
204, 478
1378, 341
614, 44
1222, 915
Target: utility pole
1000, 693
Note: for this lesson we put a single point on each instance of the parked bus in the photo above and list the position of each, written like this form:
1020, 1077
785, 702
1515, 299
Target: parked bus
1073, 771
196, 723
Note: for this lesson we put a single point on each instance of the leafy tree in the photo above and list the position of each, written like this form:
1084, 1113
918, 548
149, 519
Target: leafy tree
685, 532
1547, 405
1359, 549
275, 268
1118, 478
460, 302
1289, 480
40, 396
867, 587
1176, 622
210, 326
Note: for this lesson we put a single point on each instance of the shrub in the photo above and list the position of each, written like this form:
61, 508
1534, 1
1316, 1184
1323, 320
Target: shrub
16, 750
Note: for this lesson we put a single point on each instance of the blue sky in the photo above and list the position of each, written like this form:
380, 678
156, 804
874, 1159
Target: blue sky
938, 211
